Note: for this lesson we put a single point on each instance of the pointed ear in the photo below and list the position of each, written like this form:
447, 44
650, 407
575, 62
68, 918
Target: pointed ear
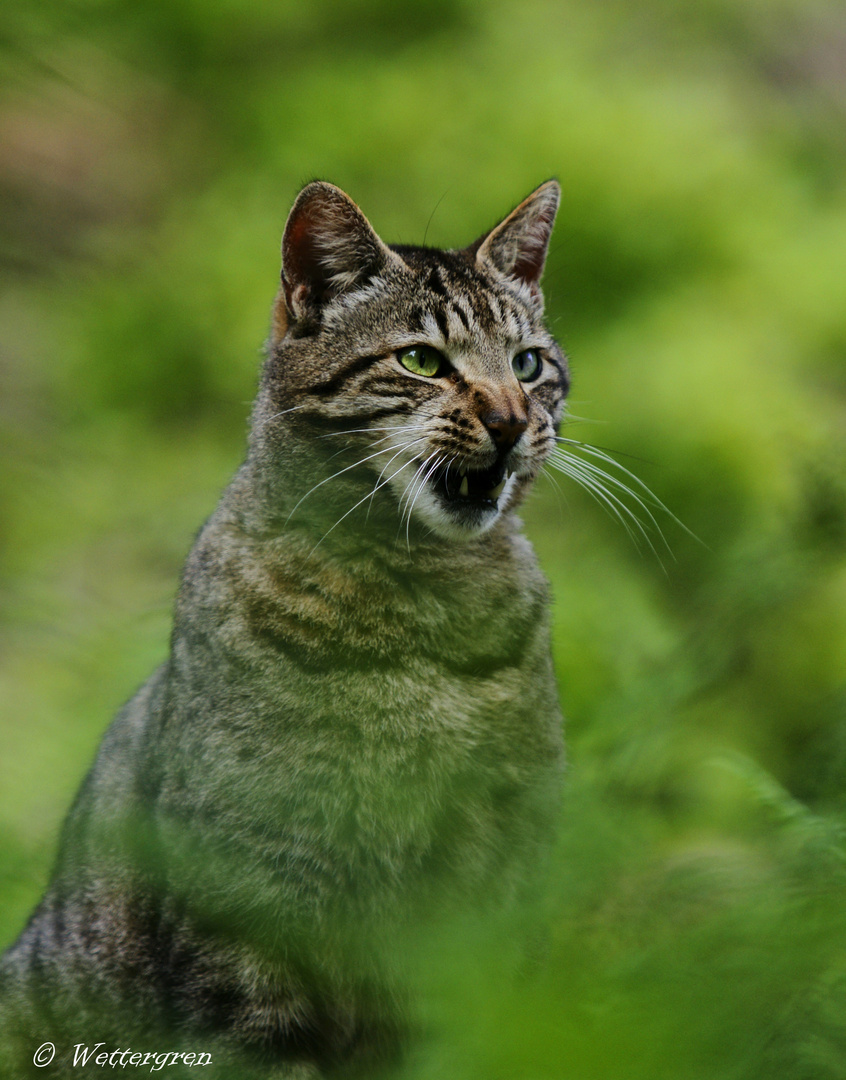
517, 246
328, 247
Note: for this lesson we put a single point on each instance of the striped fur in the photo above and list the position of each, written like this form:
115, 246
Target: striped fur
357, 731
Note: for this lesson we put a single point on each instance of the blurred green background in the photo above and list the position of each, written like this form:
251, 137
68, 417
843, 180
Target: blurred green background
697, 278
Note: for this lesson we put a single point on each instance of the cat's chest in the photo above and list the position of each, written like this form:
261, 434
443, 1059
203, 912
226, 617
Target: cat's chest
437, 669
468, 616
395, 725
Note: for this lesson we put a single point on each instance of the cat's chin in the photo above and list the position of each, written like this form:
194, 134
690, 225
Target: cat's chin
460, 518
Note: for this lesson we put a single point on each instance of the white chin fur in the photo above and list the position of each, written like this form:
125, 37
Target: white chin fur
431, 512
451, 524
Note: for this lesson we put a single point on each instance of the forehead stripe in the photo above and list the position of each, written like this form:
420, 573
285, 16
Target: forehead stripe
435, 282
457, 310
443, 322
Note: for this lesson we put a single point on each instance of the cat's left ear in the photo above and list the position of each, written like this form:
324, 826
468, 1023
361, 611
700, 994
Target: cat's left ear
517, 247
328, 248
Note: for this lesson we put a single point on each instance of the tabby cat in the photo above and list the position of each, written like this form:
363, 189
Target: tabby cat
357, 727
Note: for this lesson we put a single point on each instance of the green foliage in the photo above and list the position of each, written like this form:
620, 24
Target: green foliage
696, 908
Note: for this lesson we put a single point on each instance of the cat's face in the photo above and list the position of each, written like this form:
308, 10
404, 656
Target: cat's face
436, 364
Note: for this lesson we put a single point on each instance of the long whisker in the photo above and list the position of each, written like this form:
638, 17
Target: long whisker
572, 467
438, 458
573, 418
382, 473
598, 452
275, 416
553, 480
370, 430
609, 490
416, 481
383, 439
347, 468
408, 487
602, 479
369, 495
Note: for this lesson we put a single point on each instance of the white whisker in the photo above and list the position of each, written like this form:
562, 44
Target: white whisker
610, 491
369, 495
650, 495
612, 504
421, 485
275, 416
371, 430
347, 468
382, 473
605, 481
406, 496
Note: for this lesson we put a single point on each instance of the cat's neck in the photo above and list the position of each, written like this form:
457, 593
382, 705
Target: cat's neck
370, 538
361, 594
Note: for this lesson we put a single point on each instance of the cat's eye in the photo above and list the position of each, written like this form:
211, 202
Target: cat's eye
526, 365
422, 360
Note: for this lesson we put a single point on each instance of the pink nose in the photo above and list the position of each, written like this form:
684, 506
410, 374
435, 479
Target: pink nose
505, 430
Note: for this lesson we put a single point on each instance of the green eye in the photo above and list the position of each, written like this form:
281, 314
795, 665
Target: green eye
422, 360
527, 365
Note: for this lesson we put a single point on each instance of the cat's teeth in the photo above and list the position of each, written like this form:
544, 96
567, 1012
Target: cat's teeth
495, 493
465, 487
462, 470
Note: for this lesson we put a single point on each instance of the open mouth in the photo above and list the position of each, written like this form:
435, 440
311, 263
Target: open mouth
478, 487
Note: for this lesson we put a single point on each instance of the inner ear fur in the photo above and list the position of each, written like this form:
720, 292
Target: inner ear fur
328, 248
517, 247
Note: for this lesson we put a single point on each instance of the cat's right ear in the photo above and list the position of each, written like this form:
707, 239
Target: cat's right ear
328, 248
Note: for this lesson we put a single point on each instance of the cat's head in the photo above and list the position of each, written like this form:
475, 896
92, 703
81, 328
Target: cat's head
434, 367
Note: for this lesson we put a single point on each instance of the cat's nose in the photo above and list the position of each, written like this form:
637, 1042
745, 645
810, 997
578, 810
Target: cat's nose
505, 429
